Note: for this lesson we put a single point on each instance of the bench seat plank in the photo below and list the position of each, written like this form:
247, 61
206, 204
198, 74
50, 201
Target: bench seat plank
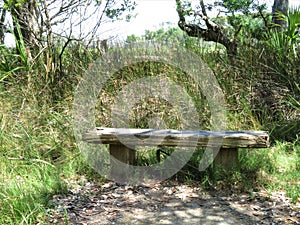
181, 138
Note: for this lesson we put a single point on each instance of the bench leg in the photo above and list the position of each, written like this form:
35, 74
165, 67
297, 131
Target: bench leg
227, 158
123, 154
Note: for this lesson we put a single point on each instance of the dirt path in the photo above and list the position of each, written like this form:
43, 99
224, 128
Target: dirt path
169, 203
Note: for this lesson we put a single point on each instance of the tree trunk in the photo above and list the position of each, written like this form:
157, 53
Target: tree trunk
25, 18
279, 7
2, 25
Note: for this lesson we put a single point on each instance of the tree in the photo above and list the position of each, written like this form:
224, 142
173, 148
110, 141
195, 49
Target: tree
210, 30
49, 34
39, 22
25, 23
279, 7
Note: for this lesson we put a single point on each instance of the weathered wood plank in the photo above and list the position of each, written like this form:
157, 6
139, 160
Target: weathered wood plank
227, 158
123, 154
183, 138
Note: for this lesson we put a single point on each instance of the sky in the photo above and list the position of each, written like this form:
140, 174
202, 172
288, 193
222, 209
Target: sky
150, 15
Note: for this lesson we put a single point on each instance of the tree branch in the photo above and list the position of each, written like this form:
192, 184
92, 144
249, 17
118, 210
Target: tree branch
212, 33
203, 8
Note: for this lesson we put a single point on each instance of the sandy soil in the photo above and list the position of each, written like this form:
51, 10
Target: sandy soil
168, 203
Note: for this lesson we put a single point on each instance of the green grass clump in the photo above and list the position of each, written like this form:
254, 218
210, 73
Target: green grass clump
37, 153
286, 173
275, 169
26, 189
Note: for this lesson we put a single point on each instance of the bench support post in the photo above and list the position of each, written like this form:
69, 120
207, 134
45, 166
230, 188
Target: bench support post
227, 158
123, 154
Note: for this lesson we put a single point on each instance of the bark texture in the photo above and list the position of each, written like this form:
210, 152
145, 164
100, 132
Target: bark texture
212, 32
279, 7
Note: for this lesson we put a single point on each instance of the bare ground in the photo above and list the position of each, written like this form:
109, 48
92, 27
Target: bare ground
168, 203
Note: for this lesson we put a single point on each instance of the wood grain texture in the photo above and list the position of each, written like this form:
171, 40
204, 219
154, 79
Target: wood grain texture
227, 158
121, 153
181, 138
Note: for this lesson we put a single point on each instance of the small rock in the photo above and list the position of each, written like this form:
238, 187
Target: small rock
104, 197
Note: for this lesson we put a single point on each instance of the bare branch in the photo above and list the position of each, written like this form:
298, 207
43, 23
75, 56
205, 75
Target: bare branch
203, 8
209, 23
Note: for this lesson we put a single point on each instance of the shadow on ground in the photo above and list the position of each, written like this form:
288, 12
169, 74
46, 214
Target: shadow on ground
166, 203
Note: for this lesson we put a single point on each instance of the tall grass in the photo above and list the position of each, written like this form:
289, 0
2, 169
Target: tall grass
37, 147
37, 151
143, 111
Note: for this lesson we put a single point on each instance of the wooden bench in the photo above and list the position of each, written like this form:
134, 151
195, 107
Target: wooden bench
228, 141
